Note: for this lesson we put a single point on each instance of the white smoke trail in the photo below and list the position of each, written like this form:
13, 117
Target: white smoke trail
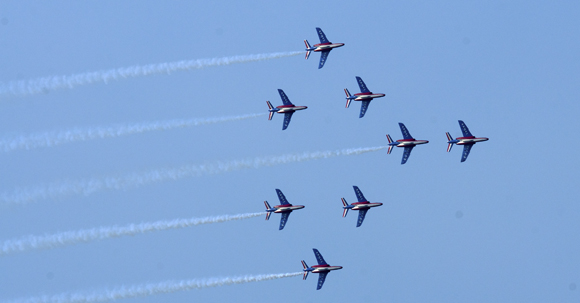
143, 290
40, 85
48, 139
100, 233
87, 187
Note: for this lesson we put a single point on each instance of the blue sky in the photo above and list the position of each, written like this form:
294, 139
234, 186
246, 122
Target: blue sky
509, 70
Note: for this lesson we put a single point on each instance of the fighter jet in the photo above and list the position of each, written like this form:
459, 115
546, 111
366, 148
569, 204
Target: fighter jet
468, 140
408, 142
322, 269
324, 47
287, 109
362, 206
284, 208
365, 95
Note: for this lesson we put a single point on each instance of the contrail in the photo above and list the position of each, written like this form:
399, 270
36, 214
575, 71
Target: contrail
45, 84
124, 292
48, 139
104, 232
89, 186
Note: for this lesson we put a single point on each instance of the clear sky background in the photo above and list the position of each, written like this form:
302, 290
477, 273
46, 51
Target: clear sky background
501, 227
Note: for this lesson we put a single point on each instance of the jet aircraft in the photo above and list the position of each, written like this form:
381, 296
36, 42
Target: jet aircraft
324, 47
322, 269
408, 142
363, 205
365, 95
284, 208
468, 140
287, 109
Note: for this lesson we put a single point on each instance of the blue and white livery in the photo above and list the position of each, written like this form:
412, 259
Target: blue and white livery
287, 109
324, 47
322, 269
363, 205
468, 140
408, 142
284, 208
365, 95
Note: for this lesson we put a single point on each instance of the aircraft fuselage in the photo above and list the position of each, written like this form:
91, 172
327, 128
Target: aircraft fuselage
324, 268
363, 205
325, 46
470, 140
367, 96
410, 142
287, 208
289, 108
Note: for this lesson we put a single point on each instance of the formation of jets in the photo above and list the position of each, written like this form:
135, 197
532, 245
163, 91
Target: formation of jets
363, 205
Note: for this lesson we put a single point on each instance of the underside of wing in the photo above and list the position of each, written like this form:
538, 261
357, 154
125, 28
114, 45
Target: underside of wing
283, 220
321, 278
464, 129
359, 194
405, 131
285, 99
287, 117
466, 150
319, 257
363, 108
361, 216
321, 36
362, 85
406, 154
323, 57
281, 197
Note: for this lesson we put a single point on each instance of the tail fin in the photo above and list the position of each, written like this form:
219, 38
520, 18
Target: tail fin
267, 208
390, 146
348, 99
345, 211
449, 144
305, 271
449, 138
307, 49
270, 107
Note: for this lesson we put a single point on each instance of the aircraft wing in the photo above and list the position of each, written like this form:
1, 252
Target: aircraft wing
405, 131
285, 99
361, 216
359, 194
362, 85
282, 198
321, 36
321, 278
287, 117
466, 150
323, 56
406, 154
319, 257
363, 108
465, 130
283, 220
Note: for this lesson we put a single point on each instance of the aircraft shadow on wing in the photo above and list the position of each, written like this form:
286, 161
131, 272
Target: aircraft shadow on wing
322, 269
363, 205
324, 47
408, 142
468, 140
287, 108
365, 95
284, 208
